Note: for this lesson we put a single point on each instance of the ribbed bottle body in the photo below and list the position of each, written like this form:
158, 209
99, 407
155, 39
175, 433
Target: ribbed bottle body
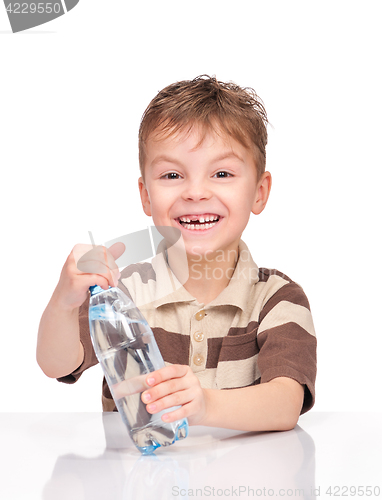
127, 351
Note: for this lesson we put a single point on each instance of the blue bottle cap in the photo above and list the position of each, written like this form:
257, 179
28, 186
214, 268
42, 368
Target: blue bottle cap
97, 289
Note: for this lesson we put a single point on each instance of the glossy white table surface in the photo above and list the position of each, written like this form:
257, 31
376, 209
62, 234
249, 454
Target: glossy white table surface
73, 456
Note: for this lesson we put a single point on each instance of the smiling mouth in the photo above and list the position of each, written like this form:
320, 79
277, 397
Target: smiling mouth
198, 222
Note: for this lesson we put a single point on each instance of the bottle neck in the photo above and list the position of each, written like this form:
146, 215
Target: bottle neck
96, 289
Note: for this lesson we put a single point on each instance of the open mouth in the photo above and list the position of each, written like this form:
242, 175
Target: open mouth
198, 222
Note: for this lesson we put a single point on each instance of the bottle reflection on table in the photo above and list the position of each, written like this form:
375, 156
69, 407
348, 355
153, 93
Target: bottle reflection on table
210, 460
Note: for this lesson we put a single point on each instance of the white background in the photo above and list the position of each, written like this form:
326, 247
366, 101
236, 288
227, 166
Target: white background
71, 96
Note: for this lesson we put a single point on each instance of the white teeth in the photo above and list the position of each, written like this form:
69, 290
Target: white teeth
201, 219
199, 227
199, 224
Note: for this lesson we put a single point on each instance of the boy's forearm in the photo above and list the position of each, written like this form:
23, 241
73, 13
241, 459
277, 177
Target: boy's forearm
275, 405
59, 350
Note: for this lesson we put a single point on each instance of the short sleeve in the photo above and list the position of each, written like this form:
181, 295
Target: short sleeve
287, 340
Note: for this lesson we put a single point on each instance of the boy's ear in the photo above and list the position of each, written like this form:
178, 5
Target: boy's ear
145, 199
262, 193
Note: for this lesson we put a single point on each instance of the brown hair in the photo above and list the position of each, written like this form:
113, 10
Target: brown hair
213, 105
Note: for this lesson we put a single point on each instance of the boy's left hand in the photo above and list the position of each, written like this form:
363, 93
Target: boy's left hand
175, 385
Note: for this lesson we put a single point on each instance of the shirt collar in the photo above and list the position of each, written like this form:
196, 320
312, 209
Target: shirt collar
170, 290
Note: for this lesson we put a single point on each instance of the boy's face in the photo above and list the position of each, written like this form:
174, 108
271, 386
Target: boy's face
208, 192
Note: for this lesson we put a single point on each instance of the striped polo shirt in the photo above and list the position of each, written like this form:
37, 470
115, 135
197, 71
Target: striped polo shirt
258, 328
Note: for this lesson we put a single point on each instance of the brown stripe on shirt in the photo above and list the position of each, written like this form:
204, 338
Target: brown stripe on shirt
232, 348
239, 347
214, 346
291, 292
174, 347
240, 343
265, 274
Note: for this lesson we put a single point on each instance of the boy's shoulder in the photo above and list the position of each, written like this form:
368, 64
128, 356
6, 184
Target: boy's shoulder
276, 287
262, 282
265, 273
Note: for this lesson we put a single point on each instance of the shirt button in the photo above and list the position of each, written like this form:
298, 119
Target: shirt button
200, 315
198, 336
198, 359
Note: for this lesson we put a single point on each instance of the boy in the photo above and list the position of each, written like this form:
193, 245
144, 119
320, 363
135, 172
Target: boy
231, 325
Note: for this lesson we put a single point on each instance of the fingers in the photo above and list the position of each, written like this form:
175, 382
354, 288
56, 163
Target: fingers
167, 373
86, 265
174, 386
168, 380
98, 260
178, 398
117, 249
129, 386
99, 256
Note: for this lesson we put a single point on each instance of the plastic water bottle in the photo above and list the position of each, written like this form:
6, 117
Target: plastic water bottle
127, 351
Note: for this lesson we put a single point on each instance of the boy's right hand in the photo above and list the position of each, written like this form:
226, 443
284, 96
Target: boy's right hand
87, 265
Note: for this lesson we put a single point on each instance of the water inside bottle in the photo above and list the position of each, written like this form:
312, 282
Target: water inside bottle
126, 364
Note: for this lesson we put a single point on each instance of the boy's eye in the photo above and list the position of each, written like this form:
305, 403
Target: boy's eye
222, 174
171, 175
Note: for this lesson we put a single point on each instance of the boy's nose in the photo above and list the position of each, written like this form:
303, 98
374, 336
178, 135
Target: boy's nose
196, 191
